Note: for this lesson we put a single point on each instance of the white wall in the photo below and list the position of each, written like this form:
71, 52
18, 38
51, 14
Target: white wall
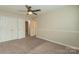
60, 26
12, 26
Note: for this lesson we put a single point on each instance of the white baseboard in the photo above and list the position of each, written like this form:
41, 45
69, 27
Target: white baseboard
58, 43
12, 39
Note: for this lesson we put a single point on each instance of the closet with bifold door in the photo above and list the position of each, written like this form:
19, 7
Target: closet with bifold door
8, 28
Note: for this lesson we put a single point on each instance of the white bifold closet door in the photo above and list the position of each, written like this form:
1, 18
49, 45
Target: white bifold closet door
8, 28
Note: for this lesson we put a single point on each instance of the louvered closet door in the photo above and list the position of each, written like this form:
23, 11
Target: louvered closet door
8, 28
13, 27
4, 29
21, 28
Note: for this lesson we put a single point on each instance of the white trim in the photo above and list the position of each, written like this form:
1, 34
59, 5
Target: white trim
12, 39
73, 47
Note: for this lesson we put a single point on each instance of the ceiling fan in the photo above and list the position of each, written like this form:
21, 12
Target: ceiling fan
30, 11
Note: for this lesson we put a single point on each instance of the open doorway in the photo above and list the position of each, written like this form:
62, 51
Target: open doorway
26, 29
30, 28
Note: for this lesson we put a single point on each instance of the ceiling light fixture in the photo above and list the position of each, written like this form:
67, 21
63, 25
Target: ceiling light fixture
30, 13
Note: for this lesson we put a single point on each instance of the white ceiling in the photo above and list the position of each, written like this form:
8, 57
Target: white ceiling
18, 8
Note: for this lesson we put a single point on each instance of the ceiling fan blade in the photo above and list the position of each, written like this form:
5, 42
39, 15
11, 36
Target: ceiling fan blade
28, 7
36, 10
34, 13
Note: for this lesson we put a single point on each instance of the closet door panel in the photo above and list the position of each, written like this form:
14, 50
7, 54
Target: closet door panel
21, 28
13, 27
8, 28
4, 30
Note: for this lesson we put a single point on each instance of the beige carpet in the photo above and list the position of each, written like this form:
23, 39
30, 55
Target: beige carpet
32, 45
